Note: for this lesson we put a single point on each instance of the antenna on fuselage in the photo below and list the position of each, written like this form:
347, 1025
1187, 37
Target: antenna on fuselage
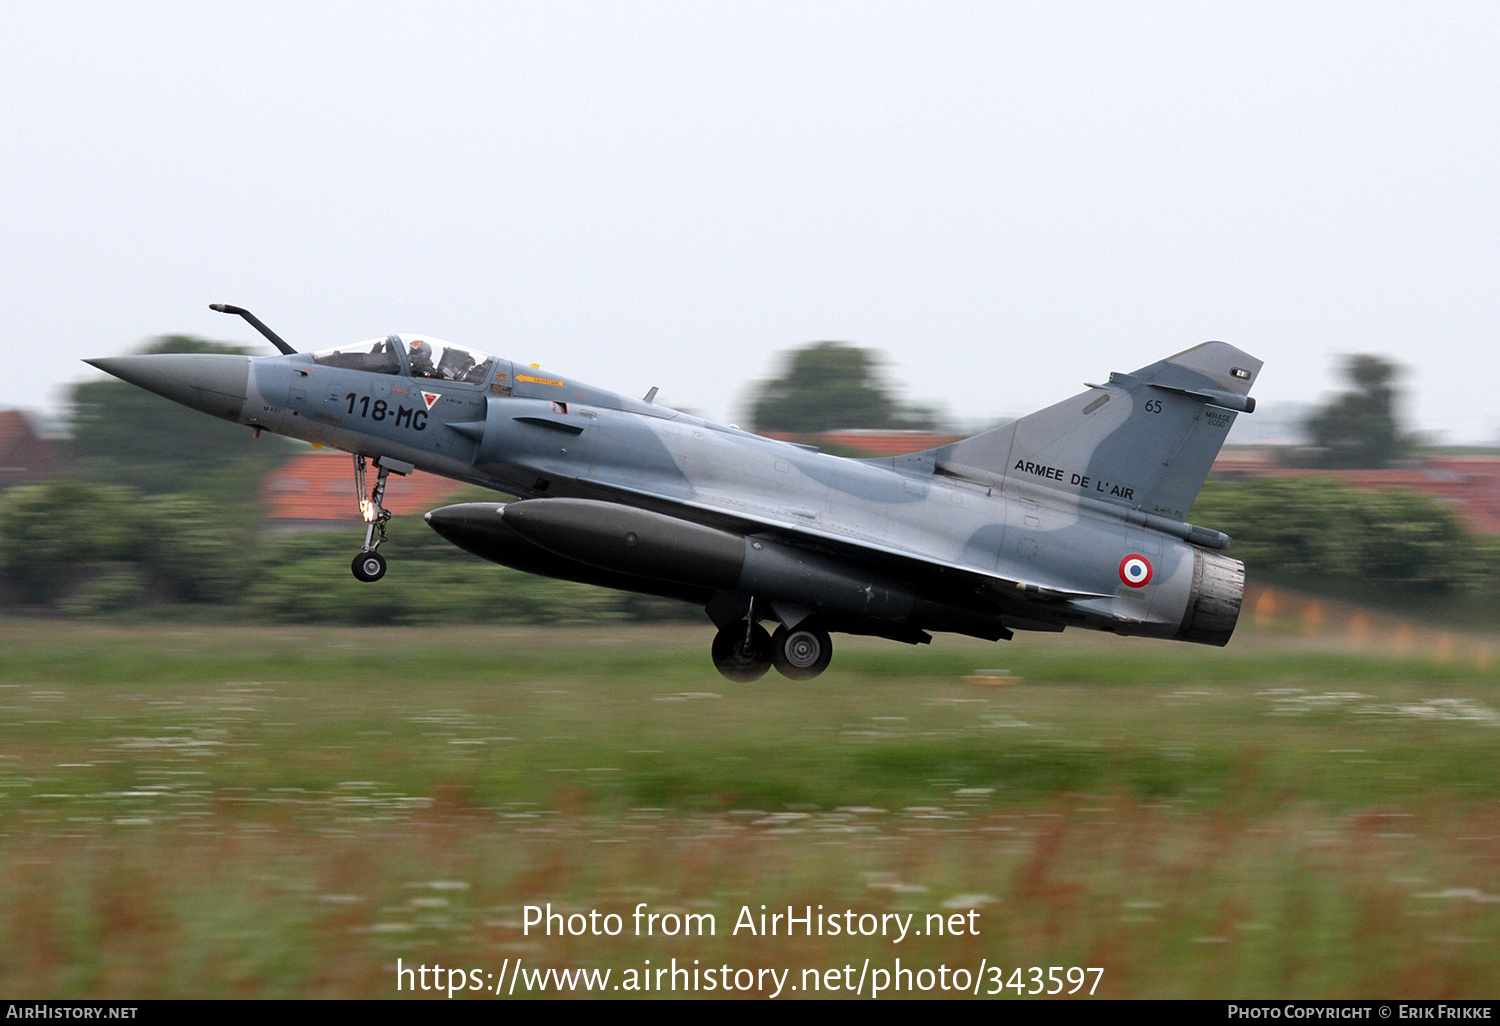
256, 323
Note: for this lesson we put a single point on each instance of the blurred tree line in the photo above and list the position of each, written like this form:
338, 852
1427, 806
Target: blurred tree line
83, 548
161, 516
89, 549
1314, 534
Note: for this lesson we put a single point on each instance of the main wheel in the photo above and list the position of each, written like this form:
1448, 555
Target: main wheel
802, 652
368, 566
740, 656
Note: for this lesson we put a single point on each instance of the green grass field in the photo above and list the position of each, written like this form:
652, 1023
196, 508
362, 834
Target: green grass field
285, 812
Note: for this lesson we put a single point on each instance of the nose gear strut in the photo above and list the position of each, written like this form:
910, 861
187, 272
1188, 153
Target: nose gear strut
369, 565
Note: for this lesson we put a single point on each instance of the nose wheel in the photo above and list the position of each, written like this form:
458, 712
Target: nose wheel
369, 565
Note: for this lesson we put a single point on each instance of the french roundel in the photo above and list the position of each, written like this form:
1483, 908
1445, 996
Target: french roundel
1135, 570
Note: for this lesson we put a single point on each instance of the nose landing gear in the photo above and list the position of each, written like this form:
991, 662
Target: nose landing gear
369, 565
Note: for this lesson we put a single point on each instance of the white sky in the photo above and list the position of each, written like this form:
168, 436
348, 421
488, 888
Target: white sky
1007, 199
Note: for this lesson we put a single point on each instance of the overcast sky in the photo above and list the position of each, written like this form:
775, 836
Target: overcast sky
1007, 199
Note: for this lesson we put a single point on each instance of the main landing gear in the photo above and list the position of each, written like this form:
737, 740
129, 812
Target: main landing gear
743, 651
802, 652
369, 565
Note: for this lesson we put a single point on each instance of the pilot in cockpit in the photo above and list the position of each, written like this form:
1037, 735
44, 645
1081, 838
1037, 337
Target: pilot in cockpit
421, 360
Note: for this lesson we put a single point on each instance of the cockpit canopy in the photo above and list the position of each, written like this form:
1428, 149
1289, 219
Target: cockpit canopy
434, 358
421, 356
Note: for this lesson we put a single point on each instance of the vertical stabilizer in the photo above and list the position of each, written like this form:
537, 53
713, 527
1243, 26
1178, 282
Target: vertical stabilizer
1143, 441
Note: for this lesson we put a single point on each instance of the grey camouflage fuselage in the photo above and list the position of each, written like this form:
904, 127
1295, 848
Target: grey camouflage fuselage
1072, 516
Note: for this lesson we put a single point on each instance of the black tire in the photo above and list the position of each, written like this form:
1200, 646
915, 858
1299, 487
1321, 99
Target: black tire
802, 652
368, 566
740, 659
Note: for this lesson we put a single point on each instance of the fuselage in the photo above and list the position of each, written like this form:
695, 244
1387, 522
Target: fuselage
893, 547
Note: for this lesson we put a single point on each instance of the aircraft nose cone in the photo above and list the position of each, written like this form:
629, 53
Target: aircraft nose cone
212, 382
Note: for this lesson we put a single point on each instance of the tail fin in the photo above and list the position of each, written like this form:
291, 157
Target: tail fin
1143, 441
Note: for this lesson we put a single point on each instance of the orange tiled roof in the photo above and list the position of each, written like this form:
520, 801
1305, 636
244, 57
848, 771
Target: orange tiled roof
315, 486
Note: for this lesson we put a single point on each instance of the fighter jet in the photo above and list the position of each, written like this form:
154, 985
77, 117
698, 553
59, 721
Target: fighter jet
1074, 516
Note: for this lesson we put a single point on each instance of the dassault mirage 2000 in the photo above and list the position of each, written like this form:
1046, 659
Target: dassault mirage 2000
1074, 516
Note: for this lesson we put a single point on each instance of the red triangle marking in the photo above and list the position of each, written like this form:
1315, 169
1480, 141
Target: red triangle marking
431, 397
